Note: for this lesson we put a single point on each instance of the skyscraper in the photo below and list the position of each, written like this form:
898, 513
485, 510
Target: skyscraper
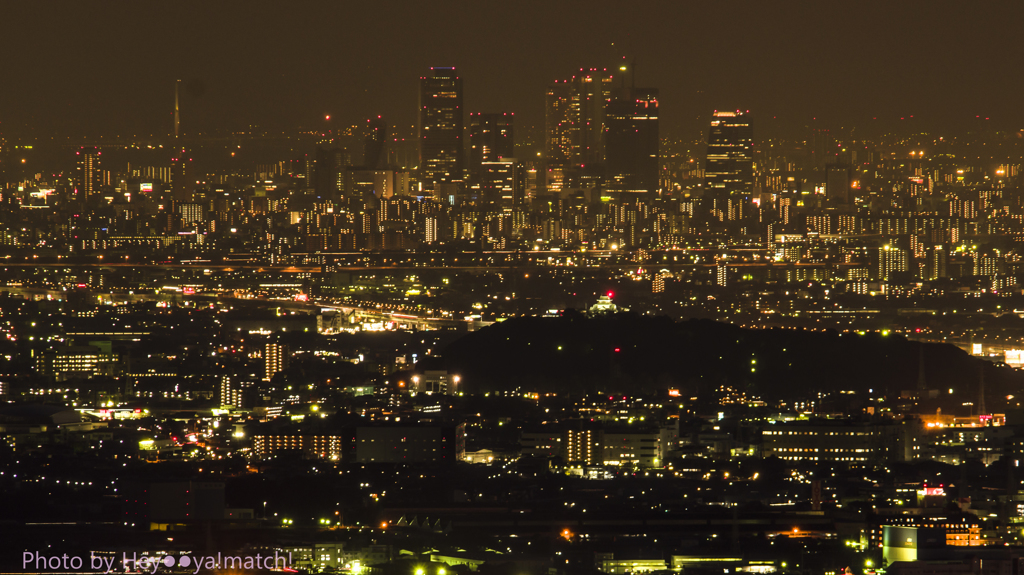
180, 174
837, 183
491, 138
632, 140
575, 118
89, 174
440, 128
729, 169
375, 151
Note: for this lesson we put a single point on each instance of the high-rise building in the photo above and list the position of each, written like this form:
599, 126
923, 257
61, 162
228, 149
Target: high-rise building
180, 173
430, 229
575, 119
632, 141
275, 359
729, 169
191, 213
440, 128
502, 183
890, 259
491, 138
837, 183
90, 176
375, 151
328, 175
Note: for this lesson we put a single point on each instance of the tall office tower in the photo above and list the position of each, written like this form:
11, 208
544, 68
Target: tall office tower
90, 176
632, 141
440, 128
275, 359
837, 183
491, 138
722, 274
574, 118
375, 151
181, 186
729, 169
503, 182
330, 164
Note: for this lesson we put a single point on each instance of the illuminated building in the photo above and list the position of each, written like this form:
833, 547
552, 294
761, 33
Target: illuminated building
430, 229
436, 381
890, 259
574, 119
590, 444
729, 168
310, 446
491, 138
583, 447
235, 393
89, 175
378, 444
848, 442
440, 128
503, 182
96, 359
191, 213
631, 448
632, 140
275, 359
722, 274
658, 283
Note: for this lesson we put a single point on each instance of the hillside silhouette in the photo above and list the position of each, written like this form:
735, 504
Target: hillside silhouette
630, 353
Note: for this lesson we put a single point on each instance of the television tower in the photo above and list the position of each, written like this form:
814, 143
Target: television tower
177, 116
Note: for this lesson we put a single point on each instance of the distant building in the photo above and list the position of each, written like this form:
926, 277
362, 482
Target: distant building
96, 359
275, 359
440, 128
844, 441
89, 178
436, 381
371, 444
593, 444
722, 274
375, 146
837, 183
729, 165
491, 138
632, 140
575, 119
160, 505
604, 305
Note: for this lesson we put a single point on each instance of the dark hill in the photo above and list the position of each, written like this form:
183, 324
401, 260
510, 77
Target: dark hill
632, 353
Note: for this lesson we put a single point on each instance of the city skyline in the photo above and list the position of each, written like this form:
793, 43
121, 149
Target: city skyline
875, 64
526, 288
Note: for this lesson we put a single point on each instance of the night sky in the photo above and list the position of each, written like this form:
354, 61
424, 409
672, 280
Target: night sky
108, 68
